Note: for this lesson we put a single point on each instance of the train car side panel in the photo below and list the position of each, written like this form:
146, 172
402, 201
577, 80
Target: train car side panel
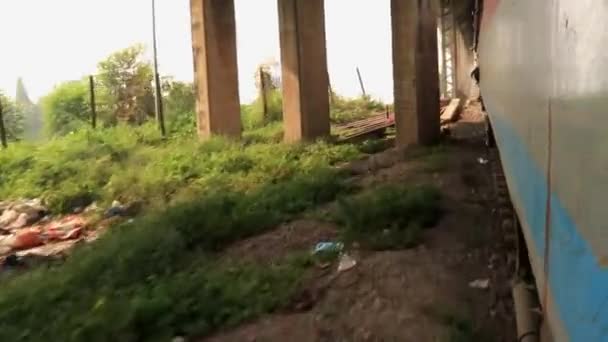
545, 84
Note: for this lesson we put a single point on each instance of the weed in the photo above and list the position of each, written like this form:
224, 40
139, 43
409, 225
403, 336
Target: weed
345, 110
271, 133
460, 330
158, 276
435, 158
137, 164
253, 116
457, 321
373, 146
196, 300
342, 110
389, 217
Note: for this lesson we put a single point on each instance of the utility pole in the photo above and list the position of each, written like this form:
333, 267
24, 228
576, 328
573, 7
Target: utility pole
93, 104
158, 104
2, 128
361, 82
330, 90
263, 92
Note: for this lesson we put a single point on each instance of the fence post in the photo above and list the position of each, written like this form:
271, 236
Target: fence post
2, 128
158, 103
93, 104
263, 93
331, 91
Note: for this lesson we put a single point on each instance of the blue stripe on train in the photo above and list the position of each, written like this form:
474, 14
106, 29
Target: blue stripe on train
578, 284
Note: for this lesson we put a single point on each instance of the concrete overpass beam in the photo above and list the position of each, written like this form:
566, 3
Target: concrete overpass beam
304, 69
215, 68
415, 71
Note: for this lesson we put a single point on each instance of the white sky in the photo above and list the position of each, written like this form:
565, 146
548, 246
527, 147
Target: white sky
49, 41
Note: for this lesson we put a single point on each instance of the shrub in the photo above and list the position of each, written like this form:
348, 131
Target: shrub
389, 217
13, 118
345, 110
253, 116
159, 277
67, 108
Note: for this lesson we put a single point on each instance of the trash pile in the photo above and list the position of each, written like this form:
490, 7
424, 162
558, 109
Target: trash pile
27, 225
346, 262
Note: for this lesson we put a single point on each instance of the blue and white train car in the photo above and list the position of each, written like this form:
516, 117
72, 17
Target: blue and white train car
544, 80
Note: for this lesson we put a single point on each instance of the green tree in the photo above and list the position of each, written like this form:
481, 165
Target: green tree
268, 105
179, 96
67, 107
179, 104
13, 118
127, 78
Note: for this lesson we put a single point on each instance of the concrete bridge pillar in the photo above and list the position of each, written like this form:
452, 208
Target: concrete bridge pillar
304, 69
215, 67
415, 71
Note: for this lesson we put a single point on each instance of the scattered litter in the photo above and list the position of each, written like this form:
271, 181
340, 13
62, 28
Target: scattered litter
328, 247
346, 263
91, 208
20, 214
481, 284
4, 248
26, 239
11, 261
117, 209
20, 222
49, 250
482, 161
493, 261
28, 231
68, 228
8, 217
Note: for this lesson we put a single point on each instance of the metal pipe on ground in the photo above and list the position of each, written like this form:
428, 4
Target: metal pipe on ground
527, 319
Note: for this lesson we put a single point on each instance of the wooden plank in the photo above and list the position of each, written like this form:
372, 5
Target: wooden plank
364, 127
451, 112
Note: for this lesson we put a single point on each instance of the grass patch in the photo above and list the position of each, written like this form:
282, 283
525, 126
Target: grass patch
159, 276
458, 323
271, 133
460, 329
459, 326
436, 159
373, 146
253, 116
197, 300
345, 109
134, 164
389, 217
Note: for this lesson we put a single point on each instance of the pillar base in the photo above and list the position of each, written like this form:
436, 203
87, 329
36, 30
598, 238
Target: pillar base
304, 69
218, 106
415, 71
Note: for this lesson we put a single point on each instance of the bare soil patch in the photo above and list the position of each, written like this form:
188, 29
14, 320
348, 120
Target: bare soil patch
420, 294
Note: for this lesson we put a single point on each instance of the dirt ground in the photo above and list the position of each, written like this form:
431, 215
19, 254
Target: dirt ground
421, 294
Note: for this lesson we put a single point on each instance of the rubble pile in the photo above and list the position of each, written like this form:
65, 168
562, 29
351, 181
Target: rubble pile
26, 227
